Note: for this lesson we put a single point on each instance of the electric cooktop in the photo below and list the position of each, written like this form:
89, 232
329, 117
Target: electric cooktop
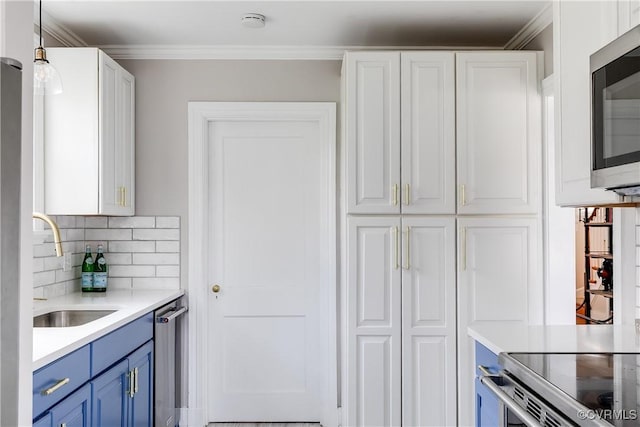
608, 384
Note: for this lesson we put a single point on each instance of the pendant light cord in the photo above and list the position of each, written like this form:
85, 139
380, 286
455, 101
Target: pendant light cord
40, 23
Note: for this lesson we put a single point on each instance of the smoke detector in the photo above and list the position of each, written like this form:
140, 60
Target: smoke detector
252, 20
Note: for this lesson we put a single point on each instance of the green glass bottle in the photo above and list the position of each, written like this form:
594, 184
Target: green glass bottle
87, 271
100, 271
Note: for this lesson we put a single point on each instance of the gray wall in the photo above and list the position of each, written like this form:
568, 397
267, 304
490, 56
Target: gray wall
163, 89
544, 42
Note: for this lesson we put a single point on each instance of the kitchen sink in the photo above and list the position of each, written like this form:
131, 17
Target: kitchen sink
66, 318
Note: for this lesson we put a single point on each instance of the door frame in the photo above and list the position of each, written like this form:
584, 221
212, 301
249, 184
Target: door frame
200, 115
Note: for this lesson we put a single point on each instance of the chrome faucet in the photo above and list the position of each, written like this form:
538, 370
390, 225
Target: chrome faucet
54, 228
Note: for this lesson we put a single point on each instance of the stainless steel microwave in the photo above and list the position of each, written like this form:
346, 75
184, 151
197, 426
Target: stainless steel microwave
615, 115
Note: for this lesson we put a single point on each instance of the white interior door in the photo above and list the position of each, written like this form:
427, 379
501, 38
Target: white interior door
268, 244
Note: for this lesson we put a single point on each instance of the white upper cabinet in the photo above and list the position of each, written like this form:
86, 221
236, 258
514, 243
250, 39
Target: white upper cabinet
428, 143
372, 128
89, 136
579, 29
628, 15
498, 133
400, 154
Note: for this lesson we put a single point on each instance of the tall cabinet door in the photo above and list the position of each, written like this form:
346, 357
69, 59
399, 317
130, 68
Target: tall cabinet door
428, 143
373, 319
124, 149
110, 196
372, 130
428, 321
110, 395
498, 132
499, 280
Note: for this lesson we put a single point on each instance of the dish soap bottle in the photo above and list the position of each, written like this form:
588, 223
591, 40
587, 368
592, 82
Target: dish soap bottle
100, 271
87, 271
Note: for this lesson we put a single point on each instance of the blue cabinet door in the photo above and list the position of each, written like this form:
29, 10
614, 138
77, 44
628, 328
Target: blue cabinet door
110, 397
75, 410
141, 362
45, 421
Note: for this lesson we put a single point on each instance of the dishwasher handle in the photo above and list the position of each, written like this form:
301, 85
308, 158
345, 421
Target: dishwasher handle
175, 312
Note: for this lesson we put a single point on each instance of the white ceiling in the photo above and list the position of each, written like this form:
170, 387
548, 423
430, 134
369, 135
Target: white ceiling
294, 24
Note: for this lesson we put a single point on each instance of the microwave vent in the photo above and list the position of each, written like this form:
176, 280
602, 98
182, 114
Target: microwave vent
627, 191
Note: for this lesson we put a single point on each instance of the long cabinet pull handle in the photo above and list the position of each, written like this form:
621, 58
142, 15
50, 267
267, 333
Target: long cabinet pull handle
135, 380
130, 391
396, 248
407, 254
394, 197
463, 248
407, 195
124, 197
54, 387
463, 195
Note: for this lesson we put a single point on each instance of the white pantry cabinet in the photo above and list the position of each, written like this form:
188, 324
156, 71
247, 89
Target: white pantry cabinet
499, 280
89, 136
579, 29
498, 132
400, 132
401, 321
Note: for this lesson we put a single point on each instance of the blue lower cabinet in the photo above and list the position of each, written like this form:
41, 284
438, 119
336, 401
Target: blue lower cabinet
141, 364
110, 393
487, 404
73, 411
123, 395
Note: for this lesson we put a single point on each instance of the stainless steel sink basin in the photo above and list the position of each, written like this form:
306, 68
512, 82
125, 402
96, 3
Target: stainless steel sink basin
66, 318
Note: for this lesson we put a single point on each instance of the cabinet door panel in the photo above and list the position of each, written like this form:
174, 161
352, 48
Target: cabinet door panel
141, 361
372, 129
499, 279
428, 132
110, 393
373, 299
74, 411
45, 421
498, 132
429, 321
109, 193
124, 151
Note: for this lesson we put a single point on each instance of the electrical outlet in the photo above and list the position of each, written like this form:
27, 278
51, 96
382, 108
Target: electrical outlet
66, 261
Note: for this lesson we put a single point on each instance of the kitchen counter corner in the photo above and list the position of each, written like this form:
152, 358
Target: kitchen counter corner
516, 337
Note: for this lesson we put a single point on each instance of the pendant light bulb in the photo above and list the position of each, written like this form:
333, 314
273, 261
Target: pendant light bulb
46, 79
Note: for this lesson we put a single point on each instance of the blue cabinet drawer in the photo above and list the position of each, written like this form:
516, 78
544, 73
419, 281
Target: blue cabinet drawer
486, 358
75, 367
109, 349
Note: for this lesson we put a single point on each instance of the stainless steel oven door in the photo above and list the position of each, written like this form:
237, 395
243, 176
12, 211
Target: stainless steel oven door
518, 405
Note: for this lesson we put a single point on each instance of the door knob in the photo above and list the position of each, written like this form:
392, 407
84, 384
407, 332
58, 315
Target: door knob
215, 288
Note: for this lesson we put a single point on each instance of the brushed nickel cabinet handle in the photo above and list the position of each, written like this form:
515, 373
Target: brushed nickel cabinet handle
135, 380
394, 191
124, 197
463, 248
130, 378
54, 387
397, 247
407, 194
407, 255
463, 195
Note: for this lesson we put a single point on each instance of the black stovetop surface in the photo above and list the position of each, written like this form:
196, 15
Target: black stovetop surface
608, 383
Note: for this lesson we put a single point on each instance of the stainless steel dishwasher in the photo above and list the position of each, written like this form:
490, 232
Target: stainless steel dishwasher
166, 388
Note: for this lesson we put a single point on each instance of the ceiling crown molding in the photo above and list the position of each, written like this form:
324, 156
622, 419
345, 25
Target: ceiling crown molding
59, 32
534, 27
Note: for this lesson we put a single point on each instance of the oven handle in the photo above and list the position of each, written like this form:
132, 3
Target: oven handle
509, 402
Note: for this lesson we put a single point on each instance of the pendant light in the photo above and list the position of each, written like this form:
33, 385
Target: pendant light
46, 79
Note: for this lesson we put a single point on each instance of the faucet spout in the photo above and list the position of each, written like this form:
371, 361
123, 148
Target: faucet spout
54, 228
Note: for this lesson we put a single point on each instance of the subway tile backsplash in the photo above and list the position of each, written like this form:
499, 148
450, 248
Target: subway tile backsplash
143, 252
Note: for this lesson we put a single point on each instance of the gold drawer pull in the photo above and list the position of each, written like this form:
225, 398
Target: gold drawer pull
54, 387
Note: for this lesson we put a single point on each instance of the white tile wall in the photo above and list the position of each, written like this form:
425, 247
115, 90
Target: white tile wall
143, 252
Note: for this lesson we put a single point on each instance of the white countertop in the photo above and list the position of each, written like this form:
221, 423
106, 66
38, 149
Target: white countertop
510, 337
50, 344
